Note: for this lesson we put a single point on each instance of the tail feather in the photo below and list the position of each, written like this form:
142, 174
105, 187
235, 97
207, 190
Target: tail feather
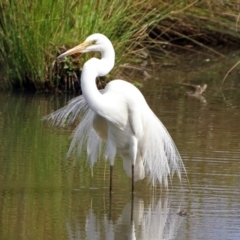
162, 158
69, 113
84, 135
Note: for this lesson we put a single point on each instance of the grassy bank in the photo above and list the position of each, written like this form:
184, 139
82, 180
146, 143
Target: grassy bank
33, 33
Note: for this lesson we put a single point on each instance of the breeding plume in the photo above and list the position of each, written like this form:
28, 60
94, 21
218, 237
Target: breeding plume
117, 120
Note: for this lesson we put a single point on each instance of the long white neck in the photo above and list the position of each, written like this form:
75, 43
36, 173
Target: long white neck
92, 69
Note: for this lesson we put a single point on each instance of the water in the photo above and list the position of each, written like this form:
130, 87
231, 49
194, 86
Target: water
45, 196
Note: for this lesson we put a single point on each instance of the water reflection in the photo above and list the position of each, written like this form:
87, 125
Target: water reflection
45, 196
154, 220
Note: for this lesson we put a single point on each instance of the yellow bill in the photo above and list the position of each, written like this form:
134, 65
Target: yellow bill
78, 49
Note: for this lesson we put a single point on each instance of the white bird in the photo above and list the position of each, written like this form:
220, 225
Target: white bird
120, 117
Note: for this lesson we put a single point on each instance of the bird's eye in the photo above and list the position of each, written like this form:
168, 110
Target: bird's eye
94, 42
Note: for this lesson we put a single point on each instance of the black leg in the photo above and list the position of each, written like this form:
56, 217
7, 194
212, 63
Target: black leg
110, 193
111, 171
132, 200
110, 206
132, 179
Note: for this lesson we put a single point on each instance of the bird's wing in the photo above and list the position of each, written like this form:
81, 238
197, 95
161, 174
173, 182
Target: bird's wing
126, 105
135, 120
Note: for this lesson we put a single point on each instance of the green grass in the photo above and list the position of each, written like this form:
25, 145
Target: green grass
34, 32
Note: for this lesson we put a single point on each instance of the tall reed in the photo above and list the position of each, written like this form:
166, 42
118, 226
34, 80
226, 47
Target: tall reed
32, 33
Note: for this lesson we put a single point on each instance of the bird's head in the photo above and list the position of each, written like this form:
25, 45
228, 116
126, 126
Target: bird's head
94, 43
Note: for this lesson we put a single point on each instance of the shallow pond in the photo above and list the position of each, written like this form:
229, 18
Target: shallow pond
45, 196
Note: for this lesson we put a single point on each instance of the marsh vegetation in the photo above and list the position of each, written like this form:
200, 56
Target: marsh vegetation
33, 33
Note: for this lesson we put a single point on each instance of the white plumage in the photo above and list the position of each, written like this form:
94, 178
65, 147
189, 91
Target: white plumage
120, 117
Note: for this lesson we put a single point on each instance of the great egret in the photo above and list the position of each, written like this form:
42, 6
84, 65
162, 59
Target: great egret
120, 117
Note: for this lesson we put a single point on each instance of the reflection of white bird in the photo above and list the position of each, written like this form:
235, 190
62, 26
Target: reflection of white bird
153, 220
119, 116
